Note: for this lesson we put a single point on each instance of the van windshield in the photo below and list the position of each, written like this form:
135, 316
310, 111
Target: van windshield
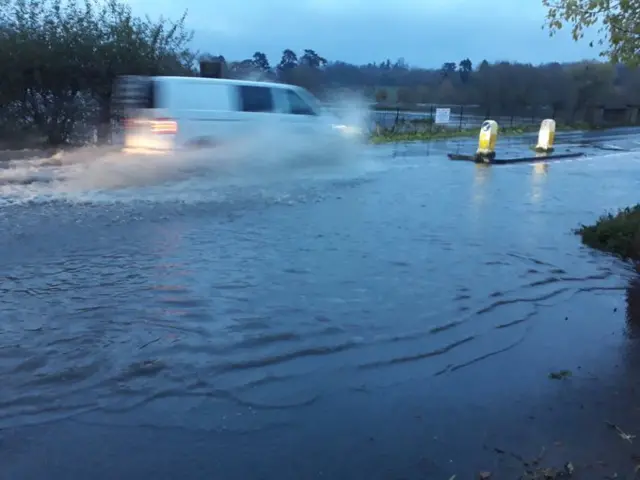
312, 101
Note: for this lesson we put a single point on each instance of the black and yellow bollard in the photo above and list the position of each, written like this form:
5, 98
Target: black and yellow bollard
546, 136
486, 151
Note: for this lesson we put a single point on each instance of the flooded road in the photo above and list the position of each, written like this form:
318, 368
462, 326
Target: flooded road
387, 315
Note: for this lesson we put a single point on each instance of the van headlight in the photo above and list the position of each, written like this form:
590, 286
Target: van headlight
348, 129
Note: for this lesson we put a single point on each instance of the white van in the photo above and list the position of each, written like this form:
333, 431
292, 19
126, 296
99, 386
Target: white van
163, 114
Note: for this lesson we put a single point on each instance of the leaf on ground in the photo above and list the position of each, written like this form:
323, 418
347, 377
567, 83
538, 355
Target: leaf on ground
559, 375
569, 468
625, 436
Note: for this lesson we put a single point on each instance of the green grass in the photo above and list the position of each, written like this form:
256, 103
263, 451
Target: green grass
617, 233
438, 133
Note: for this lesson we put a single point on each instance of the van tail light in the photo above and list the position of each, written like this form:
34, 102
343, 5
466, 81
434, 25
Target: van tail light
164, 126
129, 122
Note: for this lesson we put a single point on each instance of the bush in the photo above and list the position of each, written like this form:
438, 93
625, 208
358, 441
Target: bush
617, 233
60, 58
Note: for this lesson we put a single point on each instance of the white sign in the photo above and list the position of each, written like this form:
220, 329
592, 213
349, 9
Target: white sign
442, 115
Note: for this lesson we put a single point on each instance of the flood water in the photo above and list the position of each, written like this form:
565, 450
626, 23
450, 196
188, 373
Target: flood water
389, 315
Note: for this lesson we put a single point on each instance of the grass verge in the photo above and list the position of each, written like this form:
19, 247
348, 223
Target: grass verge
439, 133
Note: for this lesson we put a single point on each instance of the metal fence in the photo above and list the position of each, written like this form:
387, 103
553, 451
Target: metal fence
461, 117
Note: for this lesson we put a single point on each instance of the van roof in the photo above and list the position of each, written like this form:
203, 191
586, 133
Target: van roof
227, 81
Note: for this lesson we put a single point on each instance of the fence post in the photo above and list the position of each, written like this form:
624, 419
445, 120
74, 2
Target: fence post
461, 114
431, 120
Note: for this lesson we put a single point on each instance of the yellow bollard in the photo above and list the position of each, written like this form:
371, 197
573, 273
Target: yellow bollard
546, 136
487, 140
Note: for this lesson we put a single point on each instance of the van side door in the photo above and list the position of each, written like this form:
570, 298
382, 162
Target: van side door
257, 105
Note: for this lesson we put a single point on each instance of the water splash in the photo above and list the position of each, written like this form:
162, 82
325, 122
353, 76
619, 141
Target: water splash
267, 156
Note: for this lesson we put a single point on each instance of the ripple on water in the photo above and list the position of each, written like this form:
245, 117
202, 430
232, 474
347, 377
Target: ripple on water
202, 292
88, 360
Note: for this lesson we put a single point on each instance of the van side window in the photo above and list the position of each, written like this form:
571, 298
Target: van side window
255, 99
297, 105
135, 92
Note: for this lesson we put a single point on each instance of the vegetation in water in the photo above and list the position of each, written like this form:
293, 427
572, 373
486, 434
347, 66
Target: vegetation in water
617, 233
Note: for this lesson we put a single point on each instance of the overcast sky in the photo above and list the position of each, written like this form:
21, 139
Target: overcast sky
424, 32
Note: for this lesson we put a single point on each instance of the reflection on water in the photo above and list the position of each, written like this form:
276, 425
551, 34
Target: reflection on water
540, 168
538, 179
481, 181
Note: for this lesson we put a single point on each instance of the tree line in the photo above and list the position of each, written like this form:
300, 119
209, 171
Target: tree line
60, 59
499, 88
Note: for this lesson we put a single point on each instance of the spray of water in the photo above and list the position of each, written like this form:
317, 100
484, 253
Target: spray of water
266, 156
351, 108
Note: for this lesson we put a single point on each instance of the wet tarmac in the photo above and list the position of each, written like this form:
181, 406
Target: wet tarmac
392, 315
